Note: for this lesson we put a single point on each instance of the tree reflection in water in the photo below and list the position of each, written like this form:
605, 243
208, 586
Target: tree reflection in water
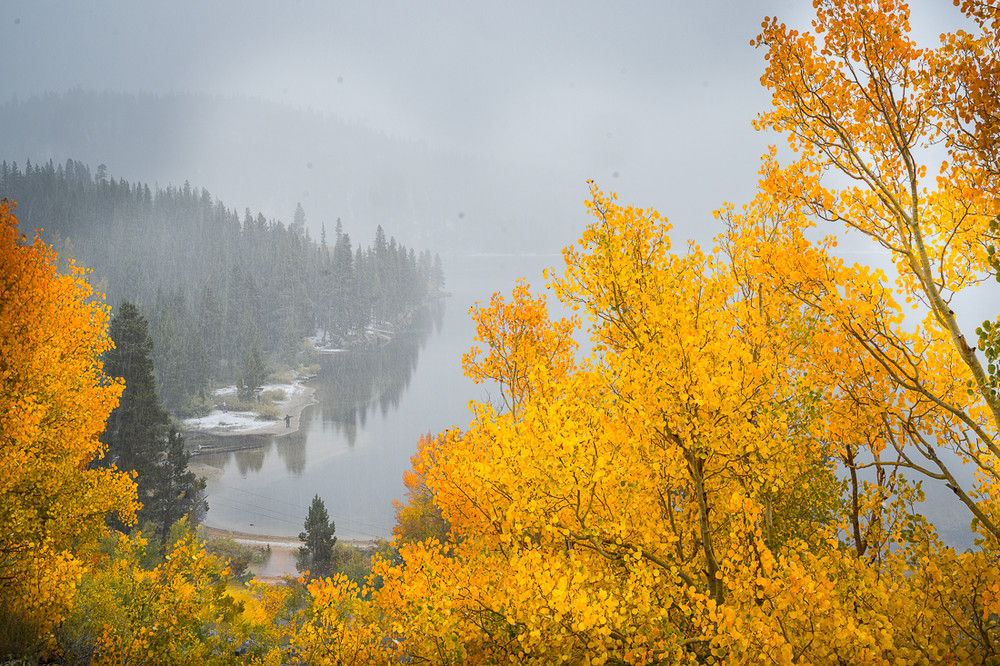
349, 387
352, 384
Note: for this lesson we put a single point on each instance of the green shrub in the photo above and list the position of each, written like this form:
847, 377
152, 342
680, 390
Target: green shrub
274, 395
239, 555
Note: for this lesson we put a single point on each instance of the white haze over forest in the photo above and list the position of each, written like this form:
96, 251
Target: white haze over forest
469, 124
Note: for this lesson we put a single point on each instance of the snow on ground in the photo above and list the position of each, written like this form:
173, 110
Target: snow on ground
224, 420
323, 346
242, 421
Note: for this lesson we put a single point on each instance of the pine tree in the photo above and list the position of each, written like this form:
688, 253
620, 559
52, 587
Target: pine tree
137, 427
316, 556
298, 225
437, 274
138, 437
177, 492
254, 373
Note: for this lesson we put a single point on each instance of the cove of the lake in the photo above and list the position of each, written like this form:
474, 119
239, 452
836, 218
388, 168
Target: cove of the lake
353, 446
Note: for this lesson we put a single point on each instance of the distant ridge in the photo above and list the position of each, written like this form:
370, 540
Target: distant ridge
268, 157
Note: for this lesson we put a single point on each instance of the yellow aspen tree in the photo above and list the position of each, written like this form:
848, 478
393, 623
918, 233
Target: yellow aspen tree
667, 499
671, 498
914, 131
343, 629
54, 400
620, 506
882, 558
177, 613
860, 97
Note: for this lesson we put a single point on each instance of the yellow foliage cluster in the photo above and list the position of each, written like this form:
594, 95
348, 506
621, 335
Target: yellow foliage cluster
54, 401
159, 616
723, 479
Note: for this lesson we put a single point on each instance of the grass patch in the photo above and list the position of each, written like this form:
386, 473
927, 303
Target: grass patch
282, 377
267, 412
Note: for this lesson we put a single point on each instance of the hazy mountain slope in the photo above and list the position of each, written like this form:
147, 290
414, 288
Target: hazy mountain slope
268, 157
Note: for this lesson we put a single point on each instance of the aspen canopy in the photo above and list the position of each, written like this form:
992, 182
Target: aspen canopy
731, 474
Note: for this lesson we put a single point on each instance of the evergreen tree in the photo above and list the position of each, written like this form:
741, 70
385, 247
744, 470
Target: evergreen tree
437, 274
138, 437
253, 375
316, 555
211, 323
177, 492
298, 225
342, 275
176, 357
137, 428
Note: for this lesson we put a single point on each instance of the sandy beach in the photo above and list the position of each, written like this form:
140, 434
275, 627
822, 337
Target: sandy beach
283, 551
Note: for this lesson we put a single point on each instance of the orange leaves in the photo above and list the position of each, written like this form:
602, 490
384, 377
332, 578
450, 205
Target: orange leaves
864, 101
420, 518
854, 99
525, 348
54, 400
924, 387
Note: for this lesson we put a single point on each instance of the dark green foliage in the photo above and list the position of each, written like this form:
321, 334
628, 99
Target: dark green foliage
136, 433
214, 284
252, 375
139, 437
180, 355
317, 554
177, 492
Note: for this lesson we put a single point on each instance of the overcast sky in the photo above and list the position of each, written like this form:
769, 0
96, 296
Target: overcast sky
652, 99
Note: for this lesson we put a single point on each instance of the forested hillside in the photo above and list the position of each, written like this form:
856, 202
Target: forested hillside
220, 290
335, 167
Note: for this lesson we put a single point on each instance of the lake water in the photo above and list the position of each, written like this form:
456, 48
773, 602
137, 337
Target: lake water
353, 447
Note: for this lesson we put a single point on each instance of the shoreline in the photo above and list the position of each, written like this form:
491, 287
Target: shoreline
220, 423
224, 424
281, 563
275, 540
243, 423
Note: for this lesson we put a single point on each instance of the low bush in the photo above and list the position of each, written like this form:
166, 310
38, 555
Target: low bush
273, 395
239, 555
